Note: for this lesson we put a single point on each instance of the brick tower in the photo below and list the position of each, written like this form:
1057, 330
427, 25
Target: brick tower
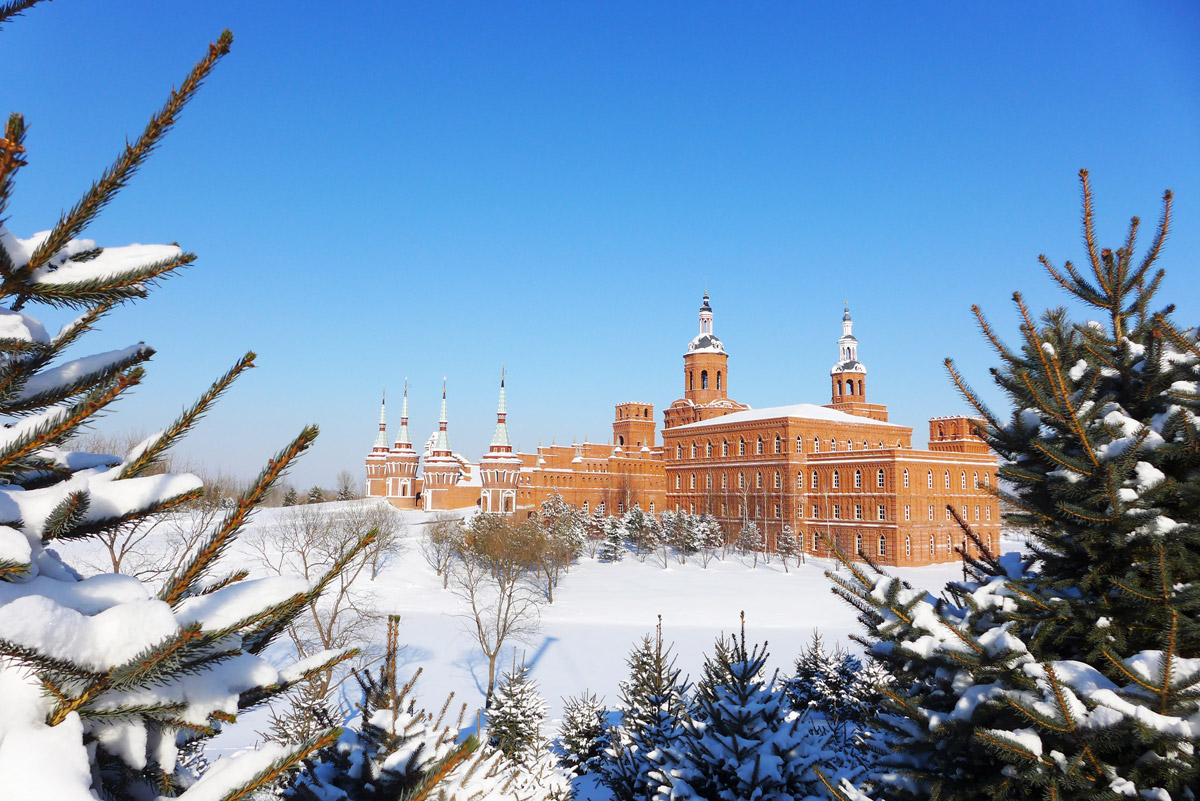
442, 470
849, 378
633, 428
402, 460
500, 468
705, 378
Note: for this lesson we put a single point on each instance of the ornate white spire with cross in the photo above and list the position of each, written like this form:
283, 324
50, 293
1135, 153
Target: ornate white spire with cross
441, 441
500, 440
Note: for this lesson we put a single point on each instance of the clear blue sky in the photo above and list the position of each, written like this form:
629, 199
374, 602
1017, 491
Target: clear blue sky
381, 190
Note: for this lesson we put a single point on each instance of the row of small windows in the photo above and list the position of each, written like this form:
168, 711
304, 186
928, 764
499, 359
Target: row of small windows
760, 446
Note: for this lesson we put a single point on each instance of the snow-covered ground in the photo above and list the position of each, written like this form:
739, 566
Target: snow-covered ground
600, 611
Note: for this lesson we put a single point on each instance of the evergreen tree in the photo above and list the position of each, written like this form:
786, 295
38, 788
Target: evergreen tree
653, 706
516, 716
291, 498
745, 742
613, 547
583, 735
1073, 671
345, 494
641, 530
106, 680
316, 495
786, 545
396, 750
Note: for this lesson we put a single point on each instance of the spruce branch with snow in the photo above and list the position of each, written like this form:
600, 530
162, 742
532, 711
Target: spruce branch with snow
1072, 672
104, 681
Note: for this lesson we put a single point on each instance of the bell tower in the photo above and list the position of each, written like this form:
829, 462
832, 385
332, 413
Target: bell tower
706, 364
848, 378
633, 428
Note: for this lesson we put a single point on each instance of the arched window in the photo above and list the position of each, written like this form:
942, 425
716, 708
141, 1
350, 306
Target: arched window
814, 479
758, 448
741, 480
718, 380
708, 480
703, 379
691, 383
987, 479
724, 481
858, 543
906, 478
930, 480
882, 545
947, 479
931, 545
678, 450
964, 479
860, 386
975, 480
778, 444
693, 450
693, 481
837, 388
907, 545
708, 449
741, 447
816, 445
758, 480
857, 478
800, 480
585, 507
799, 444
833, 444
879, 478
949, 546
779, 482
836, 479
678, 481
941, 432
814, 545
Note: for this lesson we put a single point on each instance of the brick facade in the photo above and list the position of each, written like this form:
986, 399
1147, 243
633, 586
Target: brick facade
841, 470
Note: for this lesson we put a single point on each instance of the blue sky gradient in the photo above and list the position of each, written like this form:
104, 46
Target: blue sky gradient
379, 190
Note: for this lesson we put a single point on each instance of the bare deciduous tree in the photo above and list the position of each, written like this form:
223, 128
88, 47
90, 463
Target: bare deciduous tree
441, 542
492, 576
307, 541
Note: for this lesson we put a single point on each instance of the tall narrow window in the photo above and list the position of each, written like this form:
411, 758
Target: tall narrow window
858, 543
857, 478
882, 545
778, 481
814, 480
758, 480
718, 379
799, 444
741, 447
906, 478
778, 444
816, 445
879, 478
930, 480
708, 449
836, 479
724, 447
703, 379
758, 448
947, 479
964, 479
908, 546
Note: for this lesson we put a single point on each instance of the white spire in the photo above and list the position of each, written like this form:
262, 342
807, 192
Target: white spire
706, 316
403, 438
441, 441
381, 437
848, 348
500, 440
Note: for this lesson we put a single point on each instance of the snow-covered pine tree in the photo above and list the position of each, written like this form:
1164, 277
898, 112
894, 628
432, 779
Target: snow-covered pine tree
750, 539
654, 702
345, 494
395, 750
613, 547
291, 497
709, 537
813, 670
563, 525
1074, 671
641, 530
786, 545
316, 495
515, 718
103, 680
583, 734
745, 742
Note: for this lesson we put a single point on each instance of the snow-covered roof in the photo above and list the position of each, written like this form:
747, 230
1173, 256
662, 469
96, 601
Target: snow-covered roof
706, 343
806, 411
849, 366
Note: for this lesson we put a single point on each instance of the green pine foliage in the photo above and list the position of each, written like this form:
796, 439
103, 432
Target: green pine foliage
744, 740
117, 685
515, 717
654, 702
1072, 672
291, 497
584, 734
316, 495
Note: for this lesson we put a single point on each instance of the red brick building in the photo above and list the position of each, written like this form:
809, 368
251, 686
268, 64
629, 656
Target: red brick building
841, 469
